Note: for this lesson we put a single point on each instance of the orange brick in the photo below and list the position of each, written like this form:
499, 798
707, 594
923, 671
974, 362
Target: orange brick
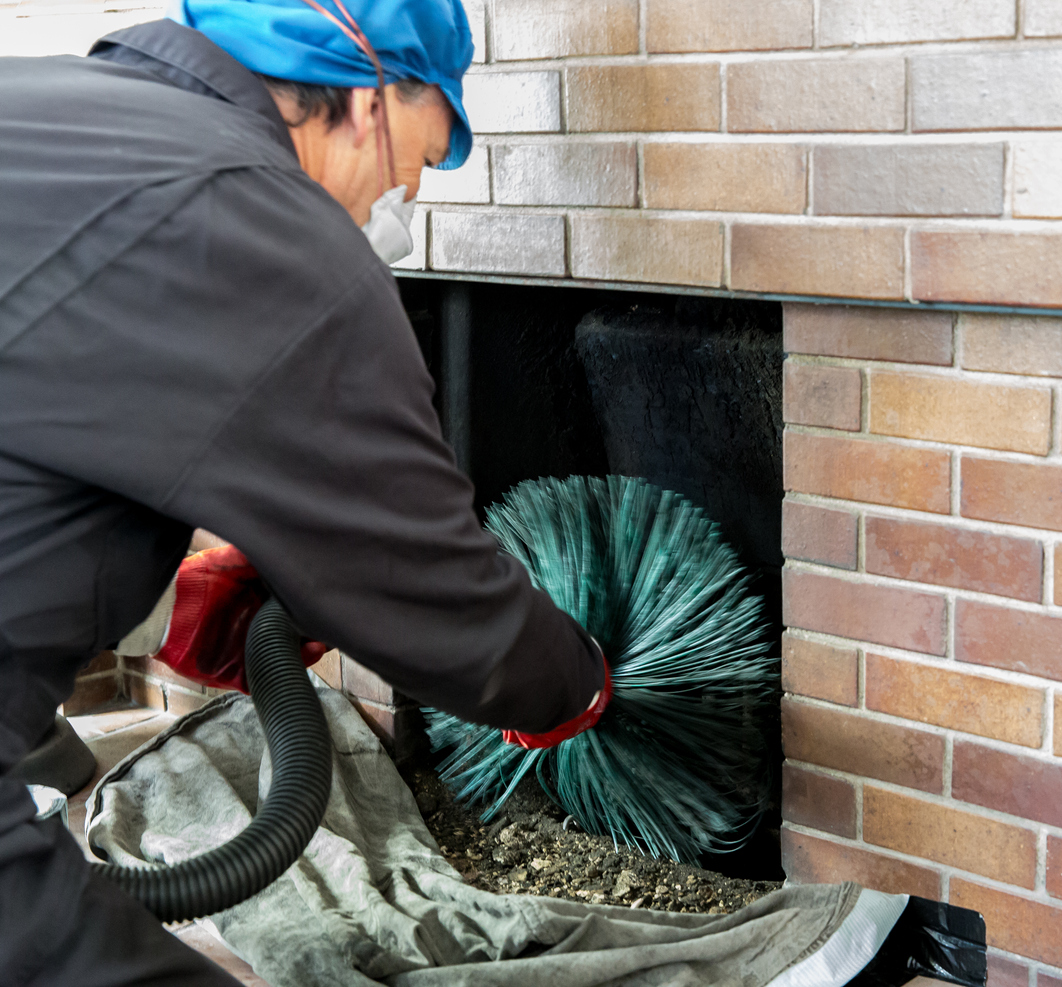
1009, 344
1058, 724
1006, 973
158, 671
897, 618
1015, 493
1058, 575
144, 693
105, 661
951, 556
624, 98
629, 246
849, 261
874, 472
971, 703
893, 334
950, 836
399, 730
851, 742
91, 693
726, 177
362, 683
818, 801
817, 95
831, 397
728, 25
816, 534
821, 671
945, 409
1054, 866
330, 668
808, 860
1004, 637
1000, 268
1044, 980
1018, 785
180, 702
1016, 924
537, 29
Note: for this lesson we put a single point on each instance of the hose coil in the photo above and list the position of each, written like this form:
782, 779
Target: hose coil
300, 748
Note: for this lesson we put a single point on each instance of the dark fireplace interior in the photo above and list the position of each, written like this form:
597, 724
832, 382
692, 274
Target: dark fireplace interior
684, 391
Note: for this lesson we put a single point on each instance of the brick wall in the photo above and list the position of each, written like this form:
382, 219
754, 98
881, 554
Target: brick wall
886, 149
923, 598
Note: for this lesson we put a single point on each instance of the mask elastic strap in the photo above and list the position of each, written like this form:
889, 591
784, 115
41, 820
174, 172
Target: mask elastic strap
356, 35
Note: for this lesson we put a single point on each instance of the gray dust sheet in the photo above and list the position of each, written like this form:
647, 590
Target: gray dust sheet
373, 901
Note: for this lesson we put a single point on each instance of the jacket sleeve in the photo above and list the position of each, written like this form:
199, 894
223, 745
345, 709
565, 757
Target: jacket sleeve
245, 365
331, 474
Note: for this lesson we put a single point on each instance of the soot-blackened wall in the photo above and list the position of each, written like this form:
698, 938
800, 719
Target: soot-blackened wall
686, 392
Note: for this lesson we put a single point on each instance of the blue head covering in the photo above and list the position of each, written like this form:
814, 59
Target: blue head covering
414, 39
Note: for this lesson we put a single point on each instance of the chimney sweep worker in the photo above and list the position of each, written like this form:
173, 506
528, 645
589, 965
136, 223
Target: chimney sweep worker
195, 330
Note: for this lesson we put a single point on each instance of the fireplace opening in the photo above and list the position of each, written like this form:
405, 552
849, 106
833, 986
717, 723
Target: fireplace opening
684, 391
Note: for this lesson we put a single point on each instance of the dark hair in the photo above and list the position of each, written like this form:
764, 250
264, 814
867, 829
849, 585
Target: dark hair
333, 101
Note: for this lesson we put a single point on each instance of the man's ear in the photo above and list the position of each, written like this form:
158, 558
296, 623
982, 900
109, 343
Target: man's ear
362, 103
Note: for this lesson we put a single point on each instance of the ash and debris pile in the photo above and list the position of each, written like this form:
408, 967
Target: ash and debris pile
528, 850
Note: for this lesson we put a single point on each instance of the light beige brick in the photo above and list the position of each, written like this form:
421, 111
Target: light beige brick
557, 28
643, 97
1038, 178
946, 409
513, 102
876, 22
476, 11
1012, 344
574, 173
418, 260
728, 25
909, 180
67, 34
651, 249
843, 261
469, 183
500, 243
1043, 19
725, 177
987, 90
990, 267
865, 94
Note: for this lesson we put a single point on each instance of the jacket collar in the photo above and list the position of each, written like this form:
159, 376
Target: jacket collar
190, 60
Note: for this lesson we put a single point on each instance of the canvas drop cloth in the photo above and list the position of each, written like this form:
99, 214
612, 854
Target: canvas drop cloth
373, 901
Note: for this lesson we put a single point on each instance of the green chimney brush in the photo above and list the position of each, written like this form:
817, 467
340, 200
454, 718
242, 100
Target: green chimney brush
678, 765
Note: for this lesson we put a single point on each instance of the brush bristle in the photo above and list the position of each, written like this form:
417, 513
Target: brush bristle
678, 765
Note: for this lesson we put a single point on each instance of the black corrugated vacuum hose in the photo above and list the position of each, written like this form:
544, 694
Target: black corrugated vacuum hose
300, 748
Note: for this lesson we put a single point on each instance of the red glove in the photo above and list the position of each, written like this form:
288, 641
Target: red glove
218, 594
581, 723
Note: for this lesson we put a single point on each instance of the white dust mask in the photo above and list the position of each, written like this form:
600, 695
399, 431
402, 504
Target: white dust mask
388, 226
